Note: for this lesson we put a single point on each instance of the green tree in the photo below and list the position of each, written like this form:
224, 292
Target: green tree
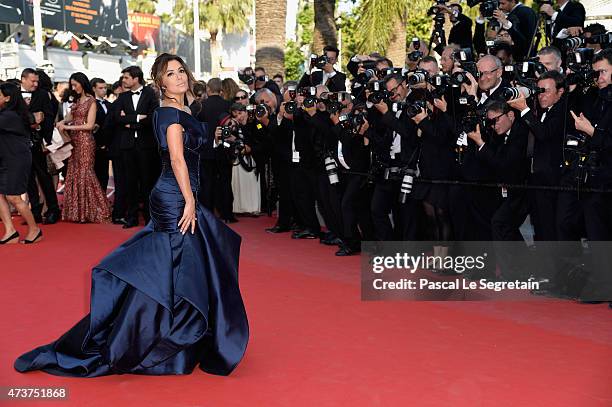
216, 16
297, 51
325, 24
142, 6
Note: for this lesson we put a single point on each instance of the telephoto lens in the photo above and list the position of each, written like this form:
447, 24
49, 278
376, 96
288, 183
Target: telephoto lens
573, 43
291, 107
405, 188
417, 77
511, 93
331, 168
226, 131
459, 78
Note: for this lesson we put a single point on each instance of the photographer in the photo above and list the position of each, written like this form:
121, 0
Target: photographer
397, 150
569, 14
328, 189
461, 31
521, 23
257, 79
548, 128
328, 76
490, 83
551, 58
352, 152
593, 169
293, 140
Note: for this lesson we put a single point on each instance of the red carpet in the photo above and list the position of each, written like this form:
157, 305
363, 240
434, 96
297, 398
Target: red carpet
313, 342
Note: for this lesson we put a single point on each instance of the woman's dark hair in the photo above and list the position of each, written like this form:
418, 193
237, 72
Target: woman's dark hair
16, 102
44, 82
159, 68
66, 94
82, 79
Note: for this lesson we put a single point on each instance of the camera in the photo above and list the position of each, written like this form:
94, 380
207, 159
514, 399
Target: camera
416, 44
291, 106
226, 131
474, 115
257, 111
516, 92
406, 186
414, 108
579, 62
333, 101
318, 61
247, 76
310, 96
352, 121
331, 169
487, 7
465, 57
378, 92
416, 77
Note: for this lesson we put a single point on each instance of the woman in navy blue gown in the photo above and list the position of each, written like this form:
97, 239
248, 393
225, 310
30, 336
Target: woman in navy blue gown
168, 298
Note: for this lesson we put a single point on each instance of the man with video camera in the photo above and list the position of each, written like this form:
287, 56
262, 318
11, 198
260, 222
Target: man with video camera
396, 148
327, 74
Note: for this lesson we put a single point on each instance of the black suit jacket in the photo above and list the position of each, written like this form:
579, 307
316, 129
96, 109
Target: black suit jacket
573, 15
147, 104
548, 142
41, 102
334, 84
524, 21
461, 33
213, 109
103, 134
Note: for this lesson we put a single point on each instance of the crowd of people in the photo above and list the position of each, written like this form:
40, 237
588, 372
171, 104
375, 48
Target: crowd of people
463, 143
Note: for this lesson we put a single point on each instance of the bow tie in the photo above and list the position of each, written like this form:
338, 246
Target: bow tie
136, 93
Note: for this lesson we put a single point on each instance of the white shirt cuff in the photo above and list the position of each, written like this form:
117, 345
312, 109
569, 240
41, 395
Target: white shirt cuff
480, 20
554, 16
524, 112
481, 146
507, 25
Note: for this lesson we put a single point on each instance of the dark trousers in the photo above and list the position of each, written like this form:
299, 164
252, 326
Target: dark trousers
142, 168
223, 195
543, 212
41, 173
588, 213
282, 178
328, 201
385, 200
120, 181
509, 216
101, 167
303, 196
471, 211
356, 212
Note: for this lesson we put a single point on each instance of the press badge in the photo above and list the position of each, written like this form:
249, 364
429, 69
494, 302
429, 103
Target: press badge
296, 157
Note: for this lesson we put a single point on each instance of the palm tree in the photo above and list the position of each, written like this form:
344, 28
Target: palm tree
216, 16
375, 19
325, 25
270, 35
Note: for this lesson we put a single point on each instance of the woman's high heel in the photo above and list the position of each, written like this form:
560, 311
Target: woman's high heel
11, 237
36, 239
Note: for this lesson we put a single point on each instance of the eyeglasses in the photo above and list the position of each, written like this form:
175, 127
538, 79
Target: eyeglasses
393, 91
493, 121
237, 98
483, 73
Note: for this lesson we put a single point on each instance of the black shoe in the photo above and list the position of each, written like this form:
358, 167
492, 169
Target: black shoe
11, 237
610, 305
36, 239
326, 237
304, 234
347, 251
119, 221
296, 228
277, 229
130, 224
51, 218
336, 241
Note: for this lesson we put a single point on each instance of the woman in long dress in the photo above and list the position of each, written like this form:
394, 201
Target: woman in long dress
84, 200
167, 299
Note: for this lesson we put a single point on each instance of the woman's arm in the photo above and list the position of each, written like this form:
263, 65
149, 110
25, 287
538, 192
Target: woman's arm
89, 124
174, 137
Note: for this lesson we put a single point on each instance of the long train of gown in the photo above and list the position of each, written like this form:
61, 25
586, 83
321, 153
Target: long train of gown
162, 302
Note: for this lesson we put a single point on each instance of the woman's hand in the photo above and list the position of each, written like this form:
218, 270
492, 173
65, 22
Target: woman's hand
189, 217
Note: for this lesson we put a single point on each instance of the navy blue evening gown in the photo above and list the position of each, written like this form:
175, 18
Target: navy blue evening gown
162, 302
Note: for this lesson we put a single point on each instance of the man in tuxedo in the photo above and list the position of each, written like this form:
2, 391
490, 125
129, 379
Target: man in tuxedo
214, 107
39, 104
461, 32
568, 14
133, 115
328, 76
521, 22
101, 132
